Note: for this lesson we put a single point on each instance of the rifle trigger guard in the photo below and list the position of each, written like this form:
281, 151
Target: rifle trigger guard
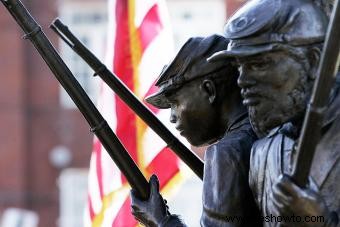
98, 127
35, 31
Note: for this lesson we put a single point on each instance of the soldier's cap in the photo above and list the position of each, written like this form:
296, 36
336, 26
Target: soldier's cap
190, 63
264, 25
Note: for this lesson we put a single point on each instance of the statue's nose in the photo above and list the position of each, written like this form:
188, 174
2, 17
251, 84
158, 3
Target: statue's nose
173, 117
245, 80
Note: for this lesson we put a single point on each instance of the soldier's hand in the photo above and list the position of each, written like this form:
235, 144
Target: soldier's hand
289, 199
152, 211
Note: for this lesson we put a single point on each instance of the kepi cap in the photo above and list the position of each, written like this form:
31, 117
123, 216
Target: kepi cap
190, 63
264, 25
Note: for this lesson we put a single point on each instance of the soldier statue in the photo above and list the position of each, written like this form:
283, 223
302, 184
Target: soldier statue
206, 107
278, 44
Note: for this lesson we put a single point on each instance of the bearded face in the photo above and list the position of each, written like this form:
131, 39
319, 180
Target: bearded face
275, 88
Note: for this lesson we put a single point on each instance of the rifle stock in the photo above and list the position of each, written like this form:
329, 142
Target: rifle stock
310, 134
129, 98
97, 123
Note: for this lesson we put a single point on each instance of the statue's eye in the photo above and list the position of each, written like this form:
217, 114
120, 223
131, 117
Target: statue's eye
173, 106
172, 101
259, 66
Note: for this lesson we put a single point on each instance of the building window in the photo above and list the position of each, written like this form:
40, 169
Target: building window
196, 18
89, 24
72, 200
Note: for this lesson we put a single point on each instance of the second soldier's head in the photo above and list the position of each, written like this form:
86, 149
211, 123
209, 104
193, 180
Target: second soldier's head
277, 44
198, 93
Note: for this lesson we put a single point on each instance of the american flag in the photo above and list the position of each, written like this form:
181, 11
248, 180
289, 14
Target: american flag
139, 45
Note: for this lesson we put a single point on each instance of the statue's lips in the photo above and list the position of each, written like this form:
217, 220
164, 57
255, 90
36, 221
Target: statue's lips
251, 98
251, 101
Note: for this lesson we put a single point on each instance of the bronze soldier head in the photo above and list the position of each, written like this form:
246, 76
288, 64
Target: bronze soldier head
201, 95
277, 44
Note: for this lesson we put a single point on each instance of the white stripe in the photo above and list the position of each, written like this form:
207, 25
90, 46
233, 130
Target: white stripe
111, 34
141, 9
152, 64
158, 53
111, 174
93, 186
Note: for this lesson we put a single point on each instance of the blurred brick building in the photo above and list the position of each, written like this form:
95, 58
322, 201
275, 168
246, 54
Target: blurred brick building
33, 122
40, 134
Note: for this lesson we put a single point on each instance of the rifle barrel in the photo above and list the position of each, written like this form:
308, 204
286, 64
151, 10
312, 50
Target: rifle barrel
328, 67
194, 162
97, 123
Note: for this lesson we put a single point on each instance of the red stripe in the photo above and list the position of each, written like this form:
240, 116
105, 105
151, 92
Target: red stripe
148, 30
90, 206
150, 27
164, 165
124, 217
98, 150
126, 120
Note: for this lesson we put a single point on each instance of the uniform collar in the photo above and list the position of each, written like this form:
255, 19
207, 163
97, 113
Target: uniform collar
287, 129
290, 130
238, 122
273, 132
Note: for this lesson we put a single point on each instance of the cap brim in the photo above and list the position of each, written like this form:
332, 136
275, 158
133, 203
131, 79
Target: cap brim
238, 52
158, 100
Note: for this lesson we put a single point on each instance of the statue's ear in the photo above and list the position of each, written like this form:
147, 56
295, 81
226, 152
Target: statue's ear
208, 86
314, 56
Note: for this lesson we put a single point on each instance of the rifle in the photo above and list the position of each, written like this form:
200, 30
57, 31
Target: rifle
98, 125
311, 130
128, 97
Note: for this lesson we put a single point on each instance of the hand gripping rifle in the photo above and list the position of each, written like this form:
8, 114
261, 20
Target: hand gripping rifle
97, 123
327, 70
129, 98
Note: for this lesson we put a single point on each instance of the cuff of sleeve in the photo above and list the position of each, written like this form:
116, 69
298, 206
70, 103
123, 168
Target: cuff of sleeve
332, 220
172, 221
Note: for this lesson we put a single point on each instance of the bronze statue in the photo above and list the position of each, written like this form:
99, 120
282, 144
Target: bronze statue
206, 107
325, 5
278, 44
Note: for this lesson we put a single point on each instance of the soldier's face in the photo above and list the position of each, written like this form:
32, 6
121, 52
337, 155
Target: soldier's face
274, 88
193, 115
